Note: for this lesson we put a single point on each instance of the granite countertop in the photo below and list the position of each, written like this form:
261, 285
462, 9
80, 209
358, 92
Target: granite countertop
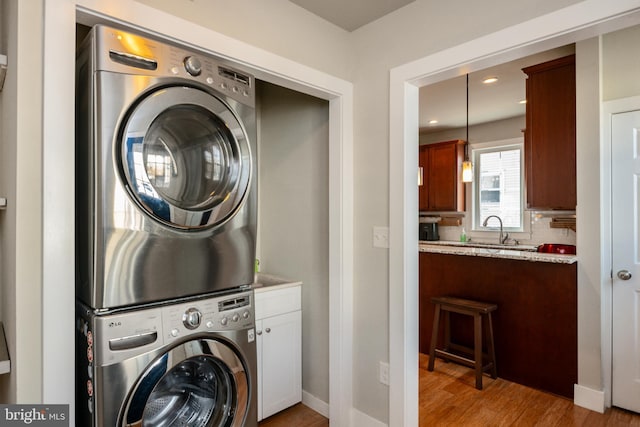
519, 252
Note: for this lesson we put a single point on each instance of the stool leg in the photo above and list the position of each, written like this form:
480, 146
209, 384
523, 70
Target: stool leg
491, 349
447, 330
434, 338
477, 347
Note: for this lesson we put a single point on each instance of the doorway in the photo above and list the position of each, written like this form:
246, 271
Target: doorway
549, 31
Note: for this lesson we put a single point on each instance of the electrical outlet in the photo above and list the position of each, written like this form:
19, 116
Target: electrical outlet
383, 373
380, 237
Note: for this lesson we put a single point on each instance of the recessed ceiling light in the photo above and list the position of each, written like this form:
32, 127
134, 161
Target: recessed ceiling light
489, 80
433, 122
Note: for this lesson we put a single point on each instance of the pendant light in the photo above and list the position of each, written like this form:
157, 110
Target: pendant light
467, 166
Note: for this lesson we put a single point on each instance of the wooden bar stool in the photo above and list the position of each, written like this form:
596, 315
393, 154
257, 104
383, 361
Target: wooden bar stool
477, 310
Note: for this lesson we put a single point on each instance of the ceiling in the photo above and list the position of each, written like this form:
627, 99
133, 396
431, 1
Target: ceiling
445, 101
351, 14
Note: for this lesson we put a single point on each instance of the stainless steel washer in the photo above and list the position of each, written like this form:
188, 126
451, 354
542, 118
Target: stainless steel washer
165, 182
191, 363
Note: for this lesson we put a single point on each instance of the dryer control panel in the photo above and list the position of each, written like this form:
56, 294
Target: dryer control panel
129, 53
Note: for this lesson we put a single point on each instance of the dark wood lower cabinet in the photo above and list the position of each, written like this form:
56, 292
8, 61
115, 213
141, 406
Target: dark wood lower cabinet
535, 325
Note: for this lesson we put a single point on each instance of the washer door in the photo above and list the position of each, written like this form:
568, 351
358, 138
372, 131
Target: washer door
185, 158
200, 383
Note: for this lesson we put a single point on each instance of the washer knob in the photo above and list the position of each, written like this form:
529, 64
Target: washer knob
191, 318
192, 65
235, 317
246, 314
224, 321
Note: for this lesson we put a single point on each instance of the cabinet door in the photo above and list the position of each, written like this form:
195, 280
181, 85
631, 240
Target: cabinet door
281, 366
442, 186
550, 136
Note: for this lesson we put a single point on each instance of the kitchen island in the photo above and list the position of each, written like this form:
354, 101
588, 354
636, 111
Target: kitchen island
535, 326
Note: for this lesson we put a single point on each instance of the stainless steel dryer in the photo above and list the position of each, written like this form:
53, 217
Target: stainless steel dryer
165, 199
191, 363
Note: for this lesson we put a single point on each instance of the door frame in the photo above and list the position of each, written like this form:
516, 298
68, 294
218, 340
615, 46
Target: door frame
609, 108
58, 291
583, 20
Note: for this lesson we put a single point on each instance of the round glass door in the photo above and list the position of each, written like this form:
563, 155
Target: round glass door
201, 390
185, 158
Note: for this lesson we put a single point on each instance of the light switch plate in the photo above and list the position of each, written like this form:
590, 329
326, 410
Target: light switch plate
380, 237
383, 373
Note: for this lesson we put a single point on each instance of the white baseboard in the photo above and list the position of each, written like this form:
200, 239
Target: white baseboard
315, 403
589, 398
360, 419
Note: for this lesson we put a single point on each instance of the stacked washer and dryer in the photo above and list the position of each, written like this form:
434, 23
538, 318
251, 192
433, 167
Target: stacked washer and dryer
165, 235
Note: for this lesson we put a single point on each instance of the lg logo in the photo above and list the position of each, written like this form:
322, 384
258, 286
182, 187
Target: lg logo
115, 324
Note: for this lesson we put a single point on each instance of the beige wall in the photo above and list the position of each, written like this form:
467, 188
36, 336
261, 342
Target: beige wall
20, 182
293, 229
621, 64
590, 373
278, 26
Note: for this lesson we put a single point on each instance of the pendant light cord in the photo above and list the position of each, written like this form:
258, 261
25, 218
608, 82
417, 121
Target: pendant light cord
466, 145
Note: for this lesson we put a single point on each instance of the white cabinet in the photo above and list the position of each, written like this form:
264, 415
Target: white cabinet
279, 347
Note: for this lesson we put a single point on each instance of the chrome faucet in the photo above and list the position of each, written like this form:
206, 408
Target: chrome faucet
503, 237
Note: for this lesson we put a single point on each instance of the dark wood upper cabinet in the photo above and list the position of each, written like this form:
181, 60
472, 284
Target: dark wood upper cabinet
442, 189
550, 134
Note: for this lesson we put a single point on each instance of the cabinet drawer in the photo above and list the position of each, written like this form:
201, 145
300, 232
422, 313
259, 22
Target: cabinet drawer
278, 301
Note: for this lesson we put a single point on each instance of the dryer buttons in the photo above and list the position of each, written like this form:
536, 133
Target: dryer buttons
192, 65
191, 318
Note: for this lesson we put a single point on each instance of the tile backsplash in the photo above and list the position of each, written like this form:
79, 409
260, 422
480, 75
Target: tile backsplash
539, 232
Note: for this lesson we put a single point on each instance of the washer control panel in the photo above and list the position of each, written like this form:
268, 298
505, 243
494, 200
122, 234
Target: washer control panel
208, 315
126, 334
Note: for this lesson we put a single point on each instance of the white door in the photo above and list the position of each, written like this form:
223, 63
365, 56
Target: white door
625, 217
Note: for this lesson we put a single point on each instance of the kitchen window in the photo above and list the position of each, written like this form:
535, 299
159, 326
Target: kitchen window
498, 186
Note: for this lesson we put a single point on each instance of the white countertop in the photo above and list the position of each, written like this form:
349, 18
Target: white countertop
455, 248
269, 282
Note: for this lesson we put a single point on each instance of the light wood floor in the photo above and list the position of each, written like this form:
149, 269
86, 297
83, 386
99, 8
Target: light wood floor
297, 416
448, 397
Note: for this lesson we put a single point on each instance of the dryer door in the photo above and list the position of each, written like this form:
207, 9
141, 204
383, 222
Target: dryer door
200, 383
185, 158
